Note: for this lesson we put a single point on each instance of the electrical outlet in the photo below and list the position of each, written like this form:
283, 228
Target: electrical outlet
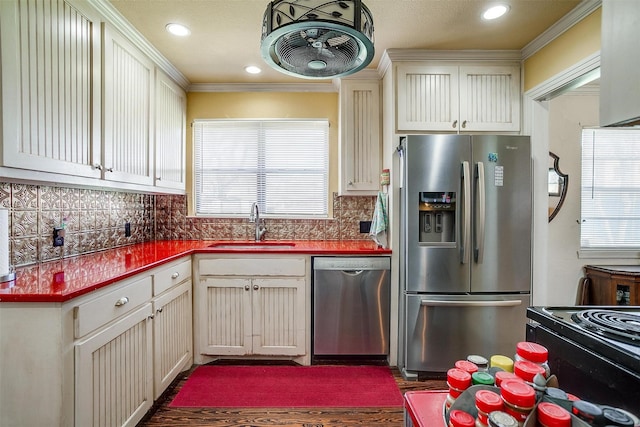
365, 226
58, 236
127, 229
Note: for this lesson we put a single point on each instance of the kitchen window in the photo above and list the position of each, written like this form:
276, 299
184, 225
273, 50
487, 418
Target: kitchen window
281, 164
610, 195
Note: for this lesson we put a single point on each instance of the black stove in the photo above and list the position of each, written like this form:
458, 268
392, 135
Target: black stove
594, 351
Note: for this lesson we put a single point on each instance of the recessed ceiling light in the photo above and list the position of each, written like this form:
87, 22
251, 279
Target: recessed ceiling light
252, 69
495, 11
178, 30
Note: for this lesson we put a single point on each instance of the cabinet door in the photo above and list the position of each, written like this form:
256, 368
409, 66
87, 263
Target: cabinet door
50, 86
427, 98
490, 98
128, 111
279, 316
359, 137
225, 328
113, 372
170, 133
172, 332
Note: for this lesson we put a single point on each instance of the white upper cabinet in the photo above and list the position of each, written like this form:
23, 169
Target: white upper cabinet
128, 111
171, 107
359, 137
50, 86
458, 98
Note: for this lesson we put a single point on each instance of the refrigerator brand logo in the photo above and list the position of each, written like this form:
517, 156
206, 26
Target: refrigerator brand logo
493, 157
511, 147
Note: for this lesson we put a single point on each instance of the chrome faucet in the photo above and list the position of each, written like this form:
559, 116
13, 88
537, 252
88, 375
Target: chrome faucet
255, 217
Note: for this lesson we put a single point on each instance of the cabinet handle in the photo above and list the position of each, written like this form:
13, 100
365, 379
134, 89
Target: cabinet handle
175, 275
246, 287
256, 287
455, 124
122, 301
159, 310
464, 124
158, 178
150, 317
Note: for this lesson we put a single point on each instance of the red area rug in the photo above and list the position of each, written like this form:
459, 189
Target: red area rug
289, 387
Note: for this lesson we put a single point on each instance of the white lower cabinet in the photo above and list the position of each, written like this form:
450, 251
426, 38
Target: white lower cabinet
114, 369
254, 307
100, 359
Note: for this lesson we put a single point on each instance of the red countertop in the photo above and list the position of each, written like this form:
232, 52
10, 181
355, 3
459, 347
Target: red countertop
62, 280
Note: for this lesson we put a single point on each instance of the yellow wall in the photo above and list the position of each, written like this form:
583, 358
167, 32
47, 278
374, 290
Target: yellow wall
264, 105
577, 43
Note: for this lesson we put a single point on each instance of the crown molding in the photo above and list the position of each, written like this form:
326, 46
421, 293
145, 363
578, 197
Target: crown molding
119, 22
585, 8
262, 87
394, 55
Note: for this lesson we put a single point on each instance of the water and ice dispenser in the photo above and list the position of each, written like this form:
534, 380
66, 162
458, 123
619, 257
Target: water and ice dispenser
437, 213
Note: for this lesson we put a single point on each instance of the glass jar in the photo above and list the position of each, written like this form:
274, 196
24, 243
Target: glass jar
487, 402
552, 415
481, 362
586, 411
533, 352
504, 375
482, 378
528, 370
458, 381
465, 365
458, 418
501, 419
503, 362
519, 399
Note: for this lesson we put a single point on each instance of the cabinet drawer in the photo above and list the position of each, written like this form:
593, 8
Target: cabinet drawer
105, 308
294, 266
171, 276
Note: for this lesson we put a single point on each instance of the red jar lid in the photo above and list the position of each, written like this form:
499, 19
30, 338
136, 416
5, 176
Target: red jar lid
518, 393
459, 379
552, 415
504, 375
465, 365
458, 418
527, 370
532, 351
572, 397
488, 401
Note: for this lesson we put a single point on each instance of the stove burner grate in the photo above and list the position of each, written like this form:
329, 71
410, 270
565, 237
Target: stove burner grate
611, 324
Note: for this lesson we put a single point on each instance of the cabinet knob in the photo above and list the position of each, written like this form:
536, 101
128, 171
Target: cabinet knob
108, 169
246, 287
256, 287
150, 317
159, 310
464, 124
455, 124
158, 178
122, 301
175, 275
97, 166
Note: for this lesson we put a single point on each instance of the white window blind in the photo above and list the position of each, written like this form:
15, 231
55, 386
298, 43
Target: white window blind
281, 164
610, 196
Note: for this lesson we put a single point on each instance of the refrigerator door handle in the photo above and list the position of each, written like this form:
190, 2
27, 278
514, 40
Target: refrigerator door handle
466, 222
496, 303
479, 250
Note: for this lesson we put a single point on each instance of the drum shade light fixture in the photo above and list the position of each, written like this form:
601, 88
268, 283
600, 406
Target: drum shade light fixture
317, 39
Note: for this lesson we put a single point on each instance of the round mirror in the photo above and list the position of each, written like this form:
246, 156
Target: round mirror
557, 183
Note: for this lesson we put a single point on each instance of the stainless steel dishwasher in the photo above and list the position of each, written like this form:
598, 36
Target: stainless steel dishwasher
351, 305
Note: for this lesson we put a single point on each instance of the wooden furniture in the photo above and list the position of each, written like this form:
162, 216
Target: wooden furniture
613, 284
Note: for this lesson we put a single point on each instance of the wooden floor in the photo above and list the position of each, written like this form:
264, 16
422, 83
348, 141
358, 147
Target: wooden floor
164, 416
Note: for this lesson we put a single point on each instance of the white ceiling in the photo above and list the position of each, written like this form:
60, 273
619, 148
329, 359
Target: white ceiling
225, 34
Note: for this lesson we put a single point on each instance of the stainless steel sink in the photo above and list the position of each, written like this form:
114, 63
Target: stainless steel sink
251, 245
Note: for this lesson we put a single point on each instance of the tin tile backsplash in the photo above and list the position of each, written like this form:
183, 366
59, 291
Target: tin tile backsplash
95, 220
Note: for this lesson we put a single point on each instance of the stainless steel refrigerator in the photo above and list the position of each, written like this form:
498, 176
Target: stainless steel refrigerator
465, 242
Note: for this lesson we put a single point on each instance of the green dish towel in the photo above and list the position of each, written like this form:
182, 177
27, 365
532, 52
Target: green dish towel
380, 221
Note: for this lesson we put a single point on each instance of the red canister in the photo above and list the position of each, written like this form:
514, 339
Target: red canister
519, 399
528, 370
487, 402
552, 415
532, 352
504, 375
